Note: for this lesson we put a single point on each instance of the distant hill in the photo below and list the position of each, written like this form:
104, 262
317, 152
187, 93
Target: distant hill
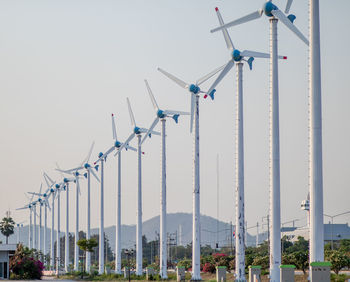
150, 229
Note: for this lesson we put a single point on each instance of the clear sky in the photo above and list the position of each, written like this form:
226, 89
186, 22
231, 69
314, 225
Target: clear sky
65, 66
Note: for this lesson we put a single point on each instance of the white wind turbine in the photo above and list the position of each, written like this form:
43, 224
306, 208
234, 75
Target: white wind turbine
117, 146
41, 203
161, 116
76, 174
238, 57
59, 187
274, 14
137, 131
195, 91
87, 174
30, 231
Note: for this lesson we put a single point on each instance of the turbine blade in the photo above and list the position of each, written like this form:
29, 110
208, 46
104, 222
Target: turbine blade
252, 16
41, 187
125, 143
283, 18
144, 130
132, 118
89, 154
68, 171
52, 182
289, 4
170, 112
227, 68
209, 75
175, 79
247, 53
94, 174
154, 123
193, 101
130, 148
114, 129
227, 37
108, 152
154, 102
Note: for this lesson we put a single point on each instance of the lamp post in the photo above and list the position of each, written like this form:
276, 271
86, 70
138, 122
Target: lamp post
332, 217
129, 253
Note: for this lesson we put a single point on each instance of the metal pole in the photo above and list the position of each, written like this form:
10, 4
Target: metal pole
217, 202
58, 245
35, 230
66, 252
76, 237
118, 258
30, 239
45, 231
332, 232
163, 249
275, 209
240, 234
101, 237
139, 211
315, 138
40, 225
196, 246
52, 257
257, 234
88, 254
231, 238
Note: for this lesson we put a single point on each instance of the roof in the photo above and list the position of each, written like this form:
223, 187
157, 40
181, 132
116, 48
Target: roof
8, 247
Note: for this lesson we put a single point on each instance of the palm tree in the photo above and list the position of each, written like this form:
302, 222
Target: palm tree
7, 226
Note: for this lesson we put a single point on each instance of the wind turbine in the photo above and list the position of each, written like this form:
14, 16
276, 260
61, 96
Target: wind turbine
162, 115
117, 146
59, 188
76, 175
19, 226
238, 57
36, 244
274, 14
137, 131
87, 175
29, 206
195, 92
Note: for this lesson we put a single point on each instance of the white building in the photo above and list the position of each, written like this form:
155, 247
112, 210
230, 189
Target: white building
6, 251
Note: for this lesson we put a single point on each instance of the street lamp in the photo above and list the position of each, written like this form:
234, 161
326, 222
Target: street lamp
129, 253
332, 217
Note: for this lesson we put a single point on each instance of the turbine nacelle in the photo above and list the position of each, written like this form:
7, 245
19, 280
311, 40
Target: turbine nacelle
194, 89
52, 190
65, 180
76, 173
39, 200
236, 55
117, 144
100, 154
268, 7
29, 206
160, 114
45, 195
137, 130
57, 186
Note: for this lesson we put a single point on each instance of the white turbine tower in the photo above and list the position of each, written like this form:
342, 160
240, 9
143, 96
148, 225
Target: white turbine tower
59, 188
117, 145
137, 131
238, 57
87, 174
161, 116
274, 14
29, 206
195, 91
50, 183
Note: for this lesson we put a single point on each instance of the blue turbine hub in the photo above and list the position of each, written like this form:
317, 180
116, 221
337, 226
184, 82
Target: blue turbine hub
160, 114
34, 204
29, 206
39, 200
86, 165
45, 195
57, 186
76, 173
137, 130
100, 154
65, 180
194, 89
268, 7
117, 144
52, 190
236, 55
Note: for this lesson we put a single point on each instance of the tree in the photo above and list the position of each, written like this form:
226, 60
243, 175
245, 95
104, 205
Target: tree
338, 259
7, 226
87, 246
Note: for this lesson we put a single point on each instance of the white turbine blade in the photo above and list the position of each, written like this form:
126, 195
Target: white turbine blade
289, 3
125, 143
247, 53
154, 123
154, 102
283, 18
94, 174
89, 154
71, 170
132, 118
23, 208
253, 16
209, 75
108, 152
175, 79
41, 187
170, 112
144, 130
47, 203
193, 101
227, 37
48, 177
114, 129
33, 193
227, 68
130, 148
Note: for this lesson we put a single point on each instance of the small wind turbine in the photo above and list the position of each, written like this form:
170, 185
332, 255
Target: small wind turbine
29, 206
117, 145
238, 57
274, 14
37, 239
47, 205
138, 132
162, 115
195, 91
59, 187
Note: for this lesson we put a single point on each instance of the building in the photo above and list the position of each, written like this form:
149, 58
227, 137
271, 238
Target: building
6, 251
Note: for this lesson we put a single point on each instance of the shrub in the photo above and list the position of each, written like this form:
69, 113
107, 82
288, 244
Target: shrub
209, 267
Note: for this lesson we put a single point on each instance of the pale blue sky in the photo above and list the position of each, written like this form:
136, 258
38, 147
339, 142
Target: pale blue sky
65, 66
